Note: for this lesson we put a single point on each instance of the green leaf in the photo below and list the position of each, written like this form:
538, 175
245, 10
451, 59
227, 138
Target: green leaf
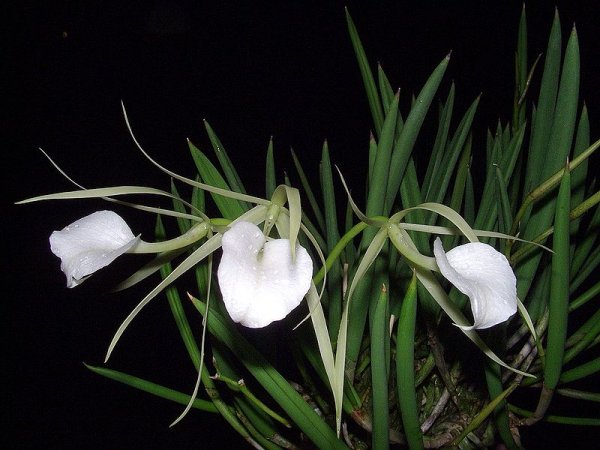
588, 295
350, 338
153, 388
231, 175
459, 197
366, 74
229, 207
406, 141
380, 371
270, 178
385, 89
450, 157
560, 140
312, 200
439, 144
585, 337
559, 287
334, 285
504, 212
179, 315
198, 197
544, 116
581, 371
483, 414
521, 78
578, 421
381, 166
405, 370
493, 376
580, 175
271, 380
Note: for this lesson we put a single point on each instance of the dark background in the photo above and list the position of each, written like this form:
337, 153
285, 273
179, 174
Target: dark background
281, 69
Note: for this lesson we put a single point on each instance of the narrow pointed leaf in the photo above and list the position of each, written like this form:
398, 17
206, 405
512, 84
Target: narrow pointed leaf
270, 178
229, 170
379, 371
405, 371
272, 381
406, 141
559, 290
367, 75
153, 388
229, 207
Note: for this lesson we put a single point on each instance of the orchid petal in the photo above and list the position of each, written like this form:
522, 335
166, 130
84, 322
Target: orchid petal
90, 244
259, 281
485, 276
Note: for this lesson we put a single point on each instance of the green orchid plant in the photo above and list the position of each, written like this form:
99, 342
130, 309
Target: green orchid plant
504, 264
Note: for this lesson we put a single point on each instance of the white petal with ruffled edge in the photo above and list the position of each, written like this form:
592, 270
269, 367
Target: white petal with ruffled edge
258, 280
90, 244
485, 276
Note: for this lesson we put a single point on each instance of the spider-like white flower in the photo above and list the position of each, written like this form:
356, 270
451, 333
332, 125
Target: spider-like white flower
259, 281
90, 244
485, 276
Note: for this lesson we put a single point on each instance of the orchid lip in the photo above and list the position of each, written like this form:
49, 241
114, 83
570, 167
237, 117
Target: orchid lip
259, 281
91, 243
485, 276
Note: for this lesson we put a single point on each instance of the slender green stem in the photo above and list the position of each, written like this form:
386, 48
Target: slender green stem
580, 421
547, 186
580, 395
337, 250
240, 386
582, 371
575, 213
192, 236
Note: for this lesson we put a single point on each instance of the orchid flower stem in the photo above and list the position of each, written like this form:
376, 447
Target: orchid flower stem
194, 234
337, 250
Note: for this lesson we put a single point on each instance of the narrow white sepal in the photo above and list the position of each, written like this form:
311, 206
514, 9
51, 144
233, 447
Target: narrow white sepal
484, 275
90, 244
259, 281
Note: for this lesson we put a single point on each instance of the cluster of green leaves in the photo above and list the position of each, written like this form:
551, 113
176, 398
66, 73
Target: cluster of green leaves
400, 385
524, 164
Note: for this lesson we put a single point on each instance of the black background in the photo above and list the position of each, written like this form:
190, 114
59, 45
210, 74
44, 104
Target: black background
253, 70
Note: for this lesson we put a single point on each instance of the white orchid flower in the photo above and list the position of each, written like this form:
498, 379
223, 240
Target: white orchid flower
259, 281
485, 276
90, 244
